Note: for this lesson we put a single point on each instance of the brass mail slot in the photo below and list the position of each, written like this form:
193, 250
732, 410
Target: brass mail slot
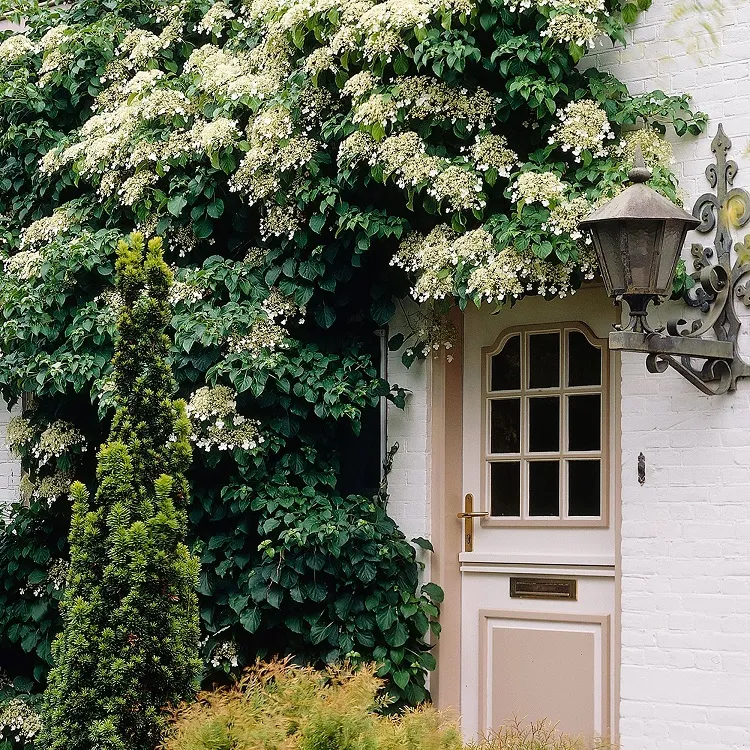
543, 588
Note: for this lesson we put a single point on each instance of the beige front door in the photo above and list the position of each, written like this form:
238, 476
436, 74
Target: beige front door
538, 571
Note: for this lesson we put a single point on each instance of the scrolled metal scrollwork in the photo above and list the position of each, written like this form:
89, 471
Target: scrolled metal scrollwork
717, 279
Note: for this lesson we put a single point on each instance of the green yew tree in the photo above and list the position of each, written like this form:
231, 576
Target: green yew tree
129, 644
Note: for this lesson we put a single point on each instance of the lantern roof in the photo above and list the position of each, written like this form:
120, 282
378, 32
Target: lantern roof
639, 202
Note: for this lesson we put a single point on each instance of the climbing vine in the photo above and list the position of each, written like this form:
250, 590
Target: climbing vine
306, 161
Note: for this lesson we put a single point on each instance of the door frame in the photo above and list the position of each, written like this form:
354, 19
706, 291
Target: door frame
445, 383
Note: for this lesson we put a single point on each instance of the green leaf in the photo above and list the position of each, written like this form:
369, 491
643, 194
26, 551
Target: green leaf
433, 591
401, 65
325, 316
386, 618
317, 222
423, 543
395, 342
176, 204
630, 13
250, 619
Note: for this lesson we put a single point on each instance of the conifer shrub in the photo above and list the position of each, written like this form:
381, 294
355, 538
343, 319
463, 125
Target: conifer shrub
130, 617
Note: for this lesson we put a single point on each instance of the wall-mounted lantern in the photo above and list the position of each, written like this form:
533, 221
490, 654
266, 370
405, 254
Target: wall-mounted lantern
638, 238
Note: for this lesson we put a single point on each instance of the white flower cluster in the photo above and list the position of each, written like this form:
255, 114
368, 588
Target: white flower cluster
656, 150
26, 489
111, 303
491, 151
183, 291
434, 332
19, 722
23, 265
460, 188
273, 151
236, 75
433, 258
56, 440
53, 38
143, 81
45, 230
105, 142
565, 217
538, 187
216, 423
424, 98
583, 127
52, 487
140, 47
255, 257
264, 337
57, 574
19, 433
217, 134
135, 187
359, 85
382, 24
15, 48
278, 305
214, 20
357, 147
572, 27
404, 156
498, 279
225, 653
181, 239
280, 221
511, 274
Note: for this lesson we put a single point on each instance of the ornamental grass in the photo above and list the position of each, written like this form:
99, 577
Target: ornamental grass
281, 706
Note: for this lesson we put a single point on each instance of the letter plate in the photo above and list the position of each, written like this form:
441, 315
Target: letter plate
542, 588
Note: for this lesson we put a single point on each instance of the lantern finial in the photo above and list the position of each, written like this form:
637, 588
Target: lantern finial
640, 172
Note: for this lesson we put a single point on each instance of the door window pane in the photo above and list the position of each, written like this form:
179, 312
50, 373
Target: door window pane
544, 424
544, 488
584, 423
544, 360
584, 361
506, 367
584, 488
505, 488
505, 425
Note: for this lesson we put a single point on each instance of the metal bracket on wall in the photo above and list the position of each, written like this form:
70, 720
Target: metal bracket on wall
718, 284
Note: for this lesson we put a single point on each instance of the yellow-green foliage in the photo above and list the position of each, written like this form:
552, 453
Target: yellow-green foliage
538, 735
279, 706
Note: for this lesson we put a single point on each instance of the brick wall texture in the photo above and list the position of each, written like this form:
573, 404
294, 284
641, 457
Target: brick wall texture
409, 481
10, 468
685, 679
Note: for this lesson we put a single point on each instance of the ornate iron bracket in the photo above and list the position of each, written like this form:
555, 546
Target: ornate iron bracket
718, 284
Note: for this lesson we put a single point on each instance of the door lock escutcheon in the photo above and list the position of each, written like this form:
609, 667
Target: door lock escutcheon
468, 517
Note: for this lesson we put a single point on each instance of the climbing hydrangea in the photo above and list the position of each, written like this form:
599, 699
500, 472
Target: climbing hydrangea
216, 423
655, 149
57, 440
18, 721
583, 127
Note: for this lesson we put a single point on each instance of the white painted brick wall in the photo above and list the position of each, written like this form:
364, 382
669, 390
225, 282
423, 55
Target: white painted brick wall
10, 467
409, 482
686, 533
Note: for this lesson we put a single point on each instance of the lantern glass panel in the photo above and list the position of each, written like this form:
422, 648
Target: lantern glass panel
674, 238
644, 251
606, 236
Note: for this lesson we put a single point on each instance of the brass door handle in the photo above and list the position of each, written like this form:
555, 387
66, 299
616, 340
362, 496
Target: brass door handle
468, 517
